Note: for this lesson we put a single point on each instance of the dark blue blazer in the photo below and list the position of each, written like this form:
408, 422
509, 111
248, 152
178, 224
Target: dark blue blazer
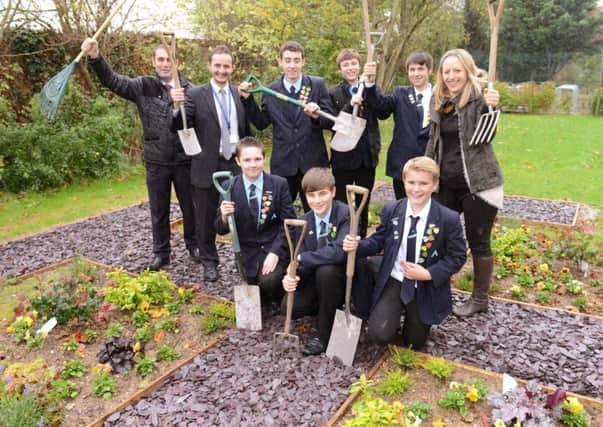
445, 256
256, 239
297, 145
409, 138
312, 257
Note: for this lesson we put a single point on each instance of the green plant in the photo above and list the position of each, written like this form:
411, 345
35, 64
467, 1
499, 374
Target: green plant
596, 102
114, 330
517, 292
573, 414
465, 281
91, 334
138, 293
417, 409
459, 394
222, 309
595, 283
167, 353
575, 287
394, 383
70, 344
168, 325
404, 357
145, 365
374, 412
196, 309
139, 318
21, 329
144, 334
173, 307
438, 367
63, 389
543, 297
581, 302
186, 295
73, 368
23, 411
363, 386
211, 324
104, 386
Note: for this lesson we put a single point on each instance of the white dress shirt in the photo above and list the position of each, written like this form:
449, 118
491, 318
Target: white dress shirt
234, 122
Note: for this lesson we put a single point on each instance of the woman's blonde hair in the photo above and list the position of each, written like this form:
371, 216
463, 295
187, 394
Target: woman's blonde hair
472, 86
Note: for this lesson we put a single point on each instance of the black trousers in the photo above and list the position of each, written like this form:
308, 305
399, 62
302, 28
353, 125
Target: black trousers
479, 216
399, 190
205, 201
295, 188
159, 186
271, 284
365, 177
322, 293
384, 322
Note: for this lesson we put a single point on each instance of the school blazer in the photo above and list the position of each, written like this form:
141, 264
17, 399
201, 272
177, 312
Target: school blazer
259, 237
443, 255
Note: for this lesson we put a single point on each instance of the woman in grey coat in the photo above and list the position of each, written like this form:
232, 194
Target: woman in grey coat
470, 180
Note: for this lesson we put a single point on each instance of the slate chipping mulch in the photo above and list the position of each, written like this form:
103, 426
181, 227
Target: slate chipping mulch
238, 383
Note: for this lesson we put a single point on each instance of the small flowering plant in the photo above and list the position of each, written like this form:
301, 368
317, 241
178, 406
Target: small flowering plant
461, 395
429, 237
517, 292
331, 231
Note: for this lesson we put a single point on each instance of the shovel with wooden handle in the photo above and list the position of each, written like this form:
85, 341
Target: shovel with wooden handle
188, 136
348, 127
283, 341
248, 306
346, 327
486, 126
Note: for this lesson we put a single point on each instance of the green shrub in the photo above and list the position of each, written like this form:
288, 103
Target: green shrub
86, 140
596, 102
22, 411
529, 96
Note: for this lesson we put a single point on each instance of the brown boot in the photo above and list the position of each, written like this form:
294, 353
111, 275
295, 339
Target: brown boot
482, 275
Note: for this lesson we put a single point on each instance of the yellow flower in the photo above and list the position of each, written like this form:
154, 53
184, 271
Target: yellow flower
544, 267
525, 269
158, 312
34, 314
397, 407
565, 270
453, 385
540, 286
144, 306
499, 423
573, 405
423, 248
181, 291
28, 321
438, 423
472, 394
10, 329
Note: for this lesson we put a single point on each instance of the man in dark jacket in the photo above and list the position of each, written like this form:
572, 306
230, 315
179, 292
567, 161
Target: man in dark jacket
357, 166
164, 158
298, 143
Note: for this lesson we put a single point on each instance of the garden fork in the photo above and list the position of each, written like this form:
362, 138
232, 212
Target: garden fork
486, 126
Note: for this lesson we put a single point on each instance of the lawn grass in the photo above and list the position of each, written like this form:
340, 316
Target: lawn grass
554, 157
32, 212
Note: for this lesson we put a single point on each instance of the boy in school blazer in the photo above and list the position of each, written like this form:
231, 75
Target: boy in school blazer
259, 213
298, 143
320, 283
423, 246
410, 107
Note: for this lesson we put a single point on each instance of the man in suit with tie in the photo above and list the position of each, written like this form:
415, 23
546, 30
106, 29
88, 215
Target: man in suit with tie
164, 159
217, 114
423, 245
320, 282
260, 202
297, 139
357, 166
410, 107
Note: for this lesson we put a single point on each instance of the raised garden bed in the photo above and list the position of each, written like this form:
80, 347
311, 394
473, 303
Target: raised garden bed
407, 388
118, 337
549, 267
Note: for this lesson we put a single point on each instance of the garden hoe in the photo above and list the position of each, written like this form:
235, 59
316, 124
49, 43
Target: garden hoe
346, 327
188, 136
486, 126
52, 93
339, 142
247, 297
349, 128
285, 341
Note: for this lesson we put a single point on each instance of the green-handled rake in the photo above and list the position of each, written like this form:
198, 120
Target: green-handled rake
53, 91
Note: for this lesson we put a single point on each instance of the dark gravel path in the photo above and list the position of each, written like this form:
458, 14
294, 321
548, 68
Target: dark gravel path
238, 383
513, 207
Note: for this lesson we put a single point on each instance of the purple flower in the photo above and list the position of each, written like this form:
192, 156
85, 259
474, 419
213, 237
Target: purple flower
26, 389
8, 379
2, 369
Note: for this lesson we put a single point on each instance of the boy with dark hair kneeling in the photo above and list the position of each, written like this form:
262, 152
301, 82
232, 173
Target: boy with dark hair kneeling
423, 246
260, 203
320, 284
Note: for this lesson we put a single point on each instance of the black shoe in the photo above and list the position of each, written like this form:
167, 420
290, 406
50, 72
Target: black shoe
158, 262
313, 347
195, 254
210, 273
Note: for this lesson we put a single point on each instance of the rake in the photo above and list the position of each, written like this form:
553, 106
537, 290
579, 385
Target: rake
484, 132
53, 92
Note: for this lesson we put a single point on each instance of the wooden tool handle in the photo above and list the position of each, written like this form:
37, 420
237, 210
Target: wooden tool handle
294, 251
102, 27
171, 50
494, 25
351, 192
